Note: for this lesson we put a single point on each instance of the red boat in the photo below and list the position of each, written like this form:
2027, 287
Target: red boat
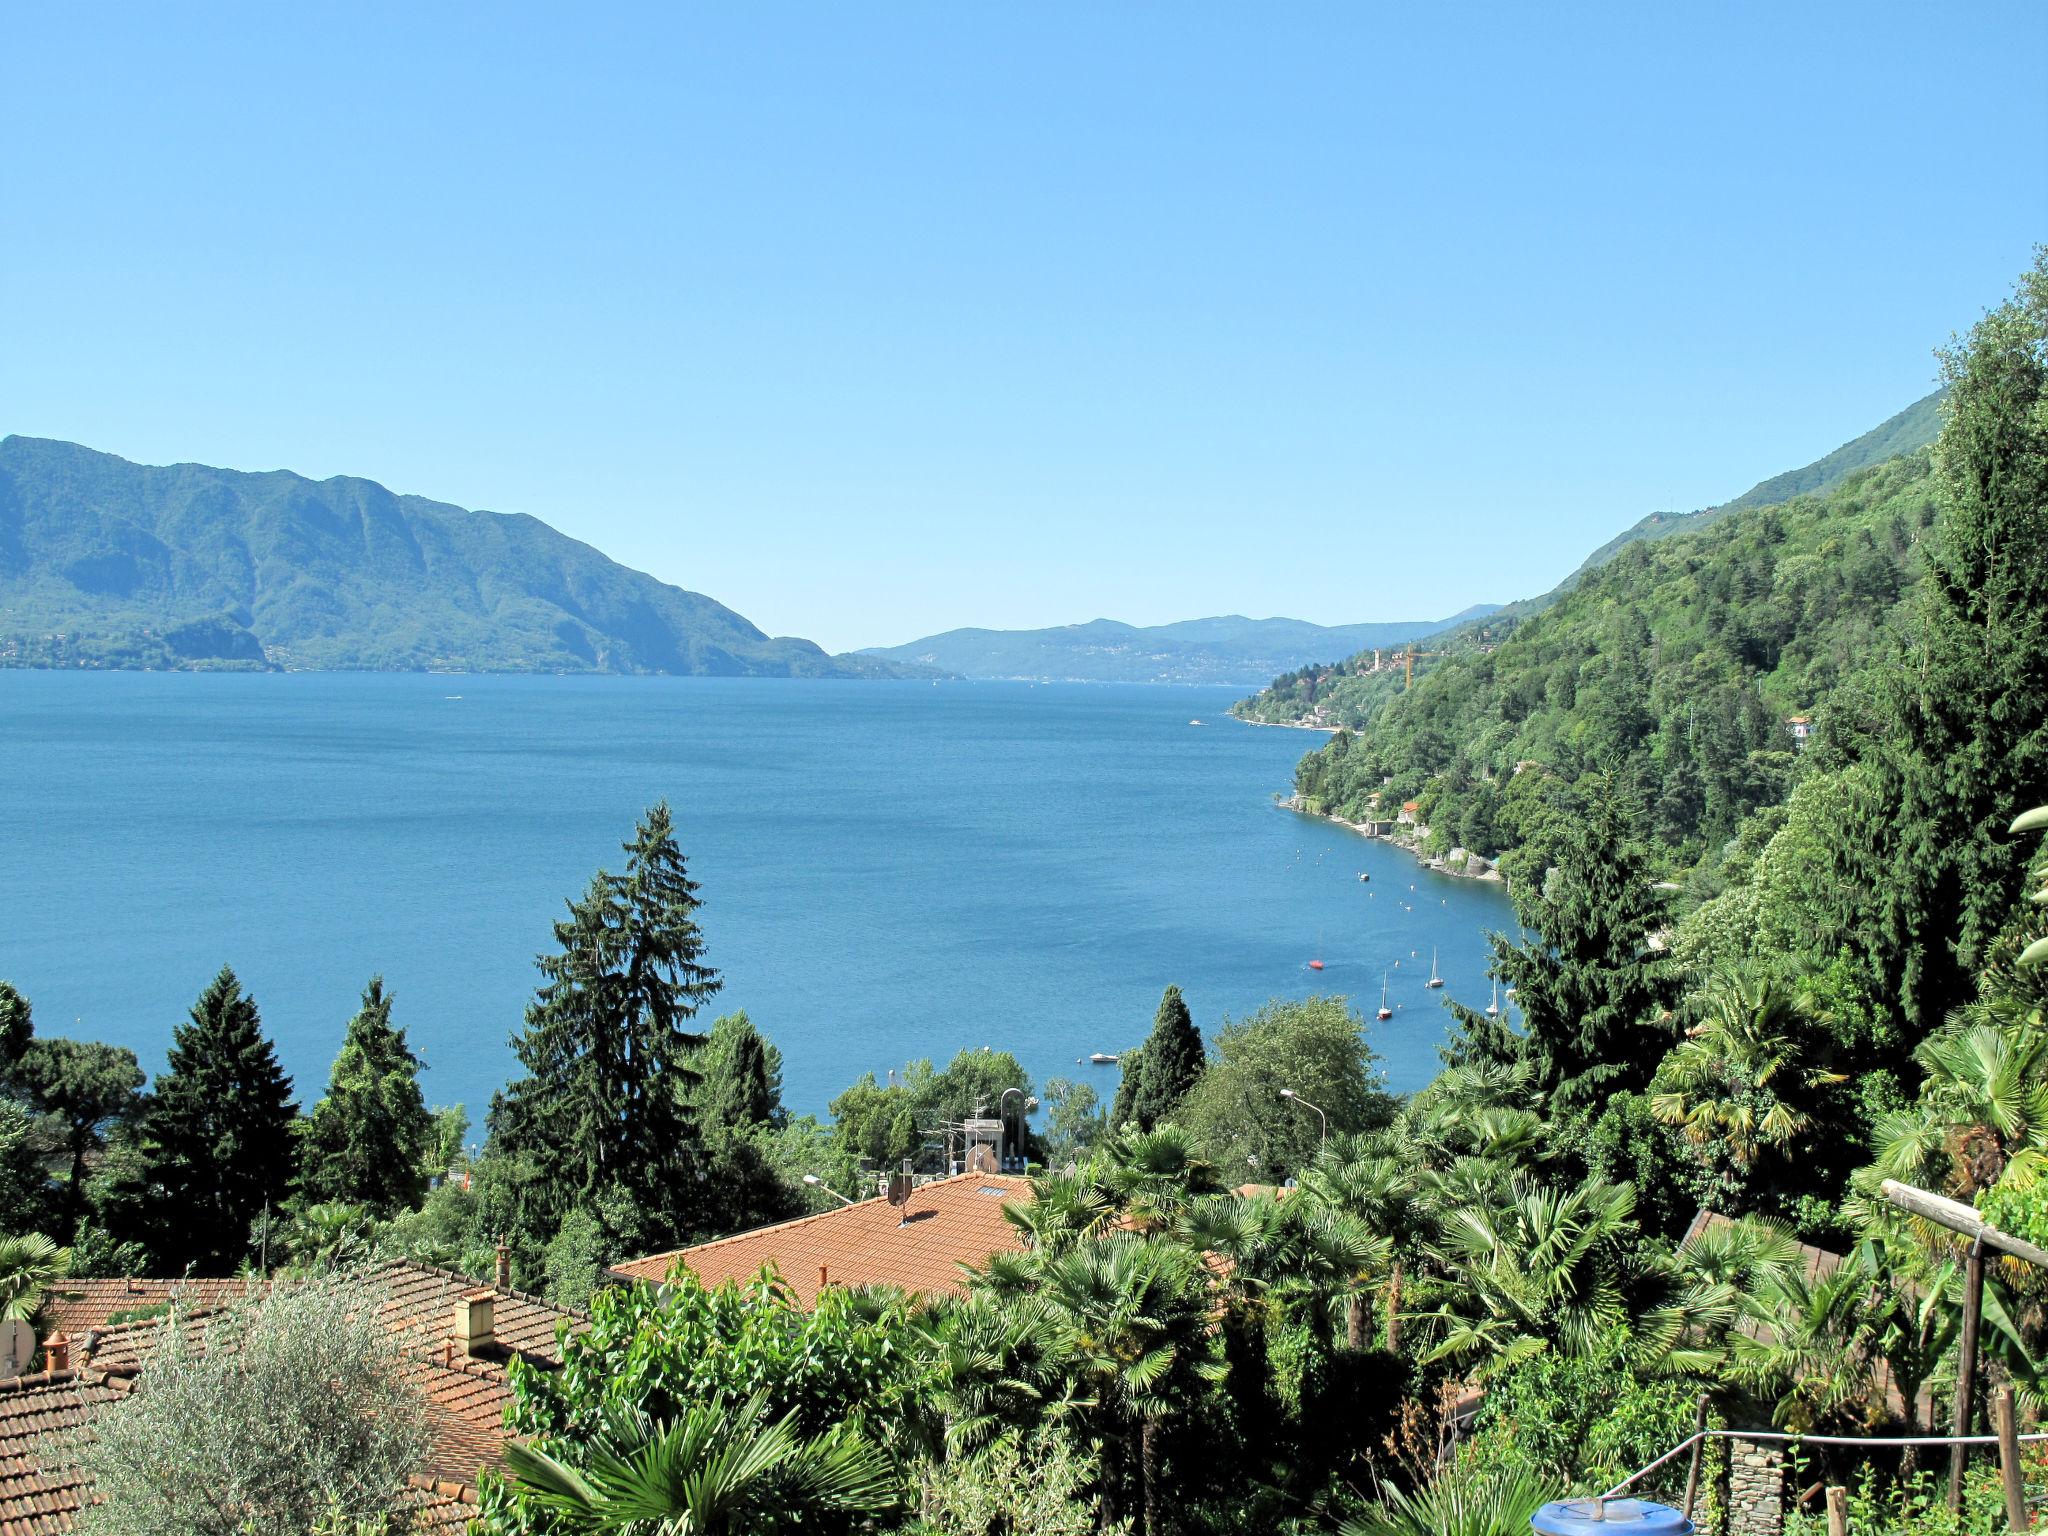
1315, 965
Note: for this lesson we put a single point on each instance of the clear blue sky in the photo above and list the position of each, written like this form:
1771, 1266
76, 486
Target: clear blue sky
876, 319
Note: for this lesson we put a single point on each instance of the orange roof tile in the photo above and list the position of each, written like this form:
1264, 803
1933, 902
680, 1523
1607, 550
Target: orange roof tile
38, 1495
75, 1305
947, 1223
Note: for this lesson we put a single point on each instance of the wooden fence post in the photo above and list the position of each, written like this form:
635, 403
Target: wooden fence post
1838, 1512
1966, 1372
2009, 1460
1699, 1446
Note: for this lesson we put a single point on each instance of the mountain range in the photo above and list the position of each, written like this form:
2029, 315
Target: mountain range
113, 564
1230, 649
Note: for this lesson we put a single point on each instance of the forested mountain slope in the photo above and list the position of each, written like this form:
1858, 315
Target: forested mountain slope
1673, 671
108, 563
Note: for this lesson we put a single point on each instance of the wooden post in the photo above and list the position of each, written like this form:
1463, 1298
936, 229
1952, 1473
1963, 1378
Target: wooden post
2009, 1460
1699, 1446
1966, 1373
1838, 1512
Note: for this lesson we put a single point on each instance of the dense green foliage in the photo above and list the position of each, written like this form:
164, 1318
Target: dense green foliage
368, 1141
139, 566
1159, 1074
217, 1140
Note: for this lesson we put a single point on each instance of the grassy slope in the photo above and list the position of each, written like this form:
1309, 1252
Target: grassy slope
184, 564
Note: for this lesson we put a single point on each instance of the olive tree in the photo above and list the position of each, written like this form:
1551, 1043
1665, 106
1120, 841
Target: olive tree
289, 1413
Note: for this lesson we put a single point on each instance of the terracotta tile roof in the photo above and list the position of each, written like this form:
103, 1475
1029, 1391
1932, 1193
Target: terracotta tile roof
466, 1395
76, 1305
440, 1506
423, 1301
948, 1223
37, 1496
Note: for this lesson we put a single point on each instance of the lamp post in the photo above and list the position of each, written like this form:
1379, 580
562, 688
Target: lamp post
1289, 1093
817, 1183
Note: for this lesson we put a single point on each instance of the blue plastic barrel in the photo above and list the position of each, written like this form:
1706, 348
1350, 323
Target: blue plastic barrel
1624, 1517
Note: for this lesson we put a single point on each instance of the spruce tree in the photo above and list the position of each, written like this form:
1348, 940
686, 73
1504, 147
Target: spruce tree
217, 1140
367, 1140
1593, 994
1972, 703
1167, 1065
742, 1075
605, 1110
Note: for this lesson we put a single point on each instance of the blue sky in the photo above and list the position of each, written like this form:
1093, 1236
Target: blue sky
874, 320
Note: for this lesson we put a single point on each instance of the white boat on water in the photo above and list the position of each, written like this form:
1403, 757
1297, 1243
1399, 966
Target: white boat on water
1434, 979
1103, 1059
1385, 1011
1493, 1008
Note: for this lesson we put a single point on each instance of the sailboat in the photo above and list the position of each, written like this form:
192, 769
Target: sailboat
1385, 1011
1493, 1008
1434, 979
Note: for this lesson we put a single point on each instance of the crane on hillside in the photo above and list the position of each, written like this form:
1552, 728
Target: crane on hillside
1408, 671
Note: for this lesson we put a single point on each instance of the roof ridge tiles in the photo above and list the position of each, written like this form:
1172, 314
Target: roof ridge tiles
402, 1261
619, 1270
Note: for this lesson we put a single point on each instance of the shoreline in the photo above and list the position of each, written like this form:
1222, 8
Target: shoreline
1288, 725
1409, 844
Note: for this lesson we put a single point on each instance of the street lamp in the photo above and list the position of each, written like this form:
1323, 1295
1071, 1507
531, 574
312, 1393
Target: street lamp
1289, 1093
817, 1183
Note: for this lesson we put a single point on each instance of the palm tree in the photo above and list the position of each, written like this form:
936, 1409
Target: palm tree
1153, 1176
1381, 1193
1541, 1267
717, 1471
29, 1266
1811, 1358
1983, 1108
1127, 1319
1462, 1501
1064, 1209
1733, 1080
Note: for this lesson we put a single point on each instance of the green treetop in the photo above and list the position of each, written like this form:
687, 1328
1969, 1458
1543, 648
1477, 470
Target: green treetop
218, 1132
605, 1109
1164, 1069
367, 1140
1973, 700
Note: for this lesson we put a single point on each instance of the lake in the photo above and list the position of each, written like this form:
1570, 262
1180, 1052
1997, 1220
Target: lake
889, 870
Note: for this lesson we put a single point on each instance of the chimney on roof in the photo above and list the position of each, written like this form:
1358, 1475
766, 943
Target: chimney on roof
476, 1321
822, 1281
57, 1352
504, 1265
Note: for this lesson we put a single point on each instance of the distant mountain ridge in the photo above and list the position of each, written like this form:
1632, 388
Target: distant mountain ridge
1227, 649
108, 563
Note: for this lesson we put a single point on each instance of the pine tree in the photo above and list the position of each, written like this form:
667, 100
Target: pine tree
742, 1075
605, 1110
1973, 703
1167, 1065
218, 1144
367, 1140
1593, 996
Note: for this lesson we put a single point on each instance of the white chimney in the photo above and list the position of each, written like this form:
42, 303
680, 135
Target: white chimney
475, 1321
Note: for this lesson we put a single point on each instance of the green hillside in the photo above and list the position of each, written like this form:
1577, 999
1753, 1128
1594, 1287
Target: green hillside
1670, 671
112, 564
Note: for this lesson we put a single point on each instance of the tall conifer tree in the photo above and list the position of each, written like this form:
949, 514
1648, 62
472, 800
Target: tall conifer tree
367, 1140
1592, 993
605, 1109
1167, 1065
218, 1144
1973, 700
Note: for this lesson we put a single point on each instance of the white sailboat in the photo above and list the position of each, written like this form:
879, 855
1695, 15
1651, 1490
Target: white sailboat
1434, 979
1385, 1011
1493, 1008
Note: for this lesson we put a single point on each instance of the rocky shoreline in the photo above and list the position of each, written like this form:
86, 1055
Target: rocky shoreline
1459, 862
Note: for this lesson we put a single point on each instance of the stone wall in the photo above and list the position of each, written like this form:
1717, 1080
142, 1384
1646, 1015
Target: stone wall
1756, 1489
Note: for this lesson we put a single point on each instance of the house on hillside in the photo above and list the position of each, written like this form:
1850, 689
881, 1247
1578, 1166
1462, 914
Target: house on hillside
1801, 727
1409, 810
458, 1336
926, 1246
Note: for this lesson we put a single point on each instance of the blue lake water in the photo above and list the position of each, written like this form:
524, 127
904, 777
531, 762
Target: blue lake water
889, 870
